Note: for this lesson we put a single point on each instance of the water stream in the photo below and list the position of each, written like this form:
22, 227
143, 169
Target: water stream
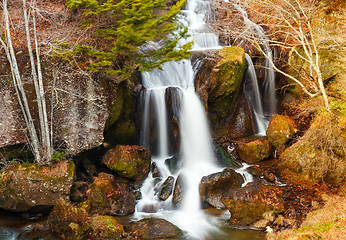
262, 99
169, 101
196, 157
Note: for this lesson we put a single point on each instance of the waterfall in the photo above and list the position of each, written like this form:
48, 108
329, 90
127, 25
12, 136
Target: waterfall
267, 90
252, 93
196, 157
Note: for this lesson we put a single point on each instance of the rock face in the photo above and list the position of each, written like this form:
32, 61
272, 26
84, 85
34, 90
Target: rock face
212, 187
156, 228
69, 222
320, 154
219, 80
82, 105
248, 204
280, 130
25, 186
107, 196
132, 162
252, 151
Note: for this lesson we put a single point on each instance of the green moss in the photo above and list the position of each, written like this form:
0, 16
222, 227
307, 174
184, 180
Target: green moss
106, 227
125, 168
120, 126
226, 79
116, 109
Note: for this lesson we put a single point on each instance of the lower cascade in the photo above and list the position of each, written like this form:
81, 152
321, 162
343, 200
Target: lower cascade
196, 158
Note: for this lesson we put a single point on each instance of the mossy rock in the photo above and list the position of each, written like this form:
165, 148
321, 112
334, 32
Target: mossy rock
225, 80
219, 82
132, 162
25, 186
280, 130
69, 222
120, 127
105, 227
108, 197
248, 204
320, 154
253, 151
213, 186
156, 228
116, 109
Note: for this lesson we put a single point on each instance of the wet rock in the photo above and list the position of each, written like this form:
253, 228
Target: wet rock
241, 123
212, 187
109, 197
132, 162
27, 186
172, 97
253, 151
224, 158
178, 190
173, 163
219, 80
105, 227
248, 204
156, 228
150, 208
155, 171
69, 222
166, 188
280, 130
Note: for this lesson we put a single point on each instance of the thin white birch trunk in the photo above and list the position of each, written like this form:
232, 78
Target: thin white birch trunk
46, 142
21, 92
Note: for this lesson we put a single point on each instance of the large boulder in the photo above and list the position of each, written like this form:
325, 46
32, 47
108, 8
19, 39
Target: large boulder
320, 155
248, 204
156, 228
131, 162
26, 186
280, 130
85, 107
253, 150
69, 222
219, 81
109, 197
212, 187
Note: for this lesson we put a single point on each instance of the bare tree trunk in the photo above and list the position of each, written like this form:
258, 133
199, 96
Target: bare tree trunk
47, 141
22, 98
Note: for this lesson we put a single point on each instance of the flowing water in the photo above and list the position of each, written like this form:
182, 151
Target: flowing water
170, 96
262, 99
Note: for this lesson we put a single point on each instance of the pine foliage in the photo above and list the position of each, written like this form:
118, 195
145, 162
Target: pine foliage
128, 26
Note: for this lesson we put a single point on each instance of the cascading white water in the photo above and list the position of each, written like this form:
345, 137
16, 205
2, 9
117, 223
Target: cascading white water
196, 153
253, 96
268, 97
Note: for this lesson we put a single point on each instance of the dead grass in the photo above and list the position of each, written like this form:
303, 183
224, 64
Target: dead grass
327, 223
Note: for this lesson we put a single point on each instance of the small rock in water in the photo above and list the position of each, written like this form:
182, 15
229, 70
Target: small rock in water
167, 188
